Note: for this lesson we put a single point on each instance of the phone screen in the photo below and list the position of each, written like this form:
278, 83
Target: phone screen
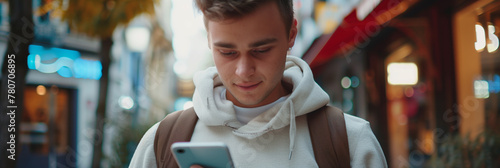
206, 154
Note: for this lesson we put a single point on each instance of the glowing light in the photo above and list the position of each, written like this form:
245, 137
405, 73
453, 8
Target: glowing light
137, 38
53, 53
402, 73
481, 89
41, 90
355, 81
87, 69
493, 43
494, 84
67, 63
480, 38
126, 102
346, 82
34, 61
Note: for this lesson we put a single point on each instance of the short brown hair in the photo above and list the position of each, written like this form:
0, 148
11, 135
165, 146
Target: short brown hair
218, 10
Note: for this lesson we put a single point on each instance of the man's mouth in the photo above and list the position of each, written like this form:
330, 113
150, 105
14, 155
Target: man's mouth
248, 86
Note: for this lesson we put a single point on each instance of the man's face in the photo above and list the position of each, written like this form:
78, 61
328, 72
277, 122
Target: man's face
250, 54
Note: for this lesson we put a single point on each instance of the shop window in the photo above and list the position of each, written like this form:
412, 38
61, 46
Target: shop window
47, 127
490, 61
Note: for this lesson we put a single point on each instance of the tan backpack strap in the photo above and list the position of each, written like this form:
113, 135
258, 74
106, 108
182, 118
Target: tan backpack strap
329, 137
175, 127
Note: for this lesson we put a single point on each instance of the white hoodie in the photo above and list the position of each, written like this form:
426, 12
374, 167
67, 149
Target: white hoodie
279, 137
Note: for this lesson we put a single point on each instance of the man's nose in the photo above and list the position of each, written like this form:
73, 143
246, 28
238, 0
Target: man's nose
245, 66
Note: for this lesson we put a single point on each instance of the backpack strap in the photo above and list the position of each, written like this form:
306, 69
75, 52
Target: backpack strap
329, 137
175, 127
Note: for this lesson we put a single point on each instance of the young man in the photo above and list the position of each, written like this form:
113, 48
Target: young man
256, 97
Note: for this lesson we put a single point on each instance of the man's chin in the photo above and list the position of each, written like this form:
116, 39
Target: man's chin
247, 103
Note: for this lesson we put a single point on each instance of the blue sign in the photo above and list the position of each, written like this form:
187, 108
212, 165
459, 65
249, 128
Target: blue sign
66, 63
494, 85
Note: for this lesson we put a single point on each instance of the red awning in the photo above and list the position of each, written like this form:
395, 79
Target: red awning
352, 32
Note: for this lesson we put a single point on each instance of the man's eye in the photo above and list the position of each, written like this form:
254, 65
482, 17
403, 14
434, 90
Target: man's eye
262, 50
227, 53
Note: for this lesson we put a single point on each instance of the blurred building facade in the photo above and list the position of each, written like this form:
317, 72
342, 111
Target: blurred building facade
55, 123
411, 68
58, 123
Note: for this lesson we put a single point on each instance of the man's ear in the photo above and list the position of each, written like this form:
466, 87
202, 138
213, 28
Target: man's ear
292, 34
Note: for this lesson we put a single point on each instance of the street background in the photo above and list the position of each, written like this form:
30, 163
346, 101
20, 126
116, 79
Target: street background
82, 81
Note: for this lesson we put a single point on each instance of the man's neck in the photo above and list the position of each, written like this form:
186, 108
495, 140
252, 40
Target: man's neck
244, 115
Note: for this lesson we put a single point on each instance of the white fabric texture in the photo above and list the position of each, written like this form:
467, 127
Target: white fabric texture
279, 137
245, 115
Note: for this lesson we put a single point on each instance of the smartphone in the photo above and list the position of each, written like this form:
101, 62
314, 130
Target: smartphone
206, 154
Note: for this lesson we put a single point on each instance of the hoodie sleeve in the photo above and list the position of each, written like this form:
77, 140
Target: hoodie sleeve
144, 155
364, 148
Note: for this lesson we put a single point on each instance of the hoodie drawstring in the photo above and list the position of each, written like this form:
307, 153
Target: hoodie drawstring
293, 129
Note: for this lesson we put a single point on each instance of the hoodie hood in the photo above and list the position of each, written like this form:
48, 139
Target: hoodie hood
212, 110
306, 97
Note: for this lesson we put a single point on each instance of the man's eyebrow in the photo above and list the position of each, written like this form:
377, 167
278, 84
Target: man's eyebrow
263, 42
252, 45
224, 45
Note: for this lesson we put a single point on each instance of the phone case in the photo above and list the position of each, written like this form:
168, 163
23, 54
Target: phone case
206, 154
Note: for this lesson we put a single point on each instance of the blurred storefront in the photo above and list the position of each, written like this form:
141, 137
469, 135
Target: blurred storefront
58, 125
60, 96
477, 61
48, 127
410, 68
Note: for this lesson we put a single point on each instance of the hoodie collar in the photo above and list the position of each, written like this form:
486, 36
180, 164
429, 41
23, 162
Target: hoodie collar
245, 115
